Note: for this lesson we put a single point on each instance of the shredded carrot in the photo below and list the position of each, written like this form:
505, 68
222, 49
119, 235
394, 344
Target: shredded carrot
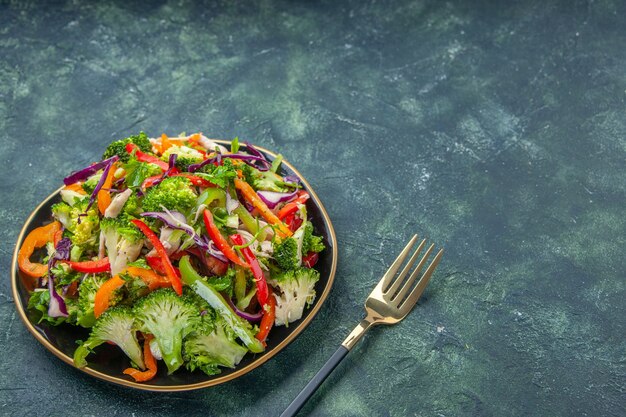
35, 240
104, 197
150, 361
104, 293
251, 196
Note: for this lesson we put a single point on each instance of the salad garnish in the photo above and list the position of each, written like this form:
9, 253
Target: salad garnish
175, 250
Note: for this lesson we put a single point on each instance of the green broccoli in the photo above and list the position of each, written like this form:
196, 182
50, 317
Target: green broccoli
296, 289
185, 156
86, 299
81, 225
119, 146
117, 325
212, 345
288, 252
173, 193
123, 242
239, 326
169, 318
137, 172
310, 242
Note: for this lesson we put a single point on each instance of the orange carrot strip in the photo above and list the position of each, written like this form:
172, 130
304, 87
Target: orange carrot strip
251, 196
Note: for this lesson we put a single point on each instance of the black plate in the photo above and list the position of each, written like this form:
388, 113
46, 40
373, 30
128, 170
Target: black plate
108, 362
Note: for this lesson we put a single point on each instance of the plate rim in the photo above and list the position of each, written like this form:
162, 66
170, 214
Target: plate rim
301, 326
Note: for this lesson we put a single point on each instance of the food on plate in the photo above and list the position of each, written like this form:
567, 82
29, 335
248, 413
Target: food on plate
175, 249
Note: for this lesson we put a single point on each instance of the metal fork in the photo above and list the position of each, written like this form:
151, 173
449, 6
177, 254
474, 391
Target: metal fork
390, 301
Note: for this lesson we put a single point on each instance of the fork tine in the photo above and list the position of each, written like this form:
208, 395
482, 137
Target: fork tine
409, 282
400, 278
396, 264
411, 300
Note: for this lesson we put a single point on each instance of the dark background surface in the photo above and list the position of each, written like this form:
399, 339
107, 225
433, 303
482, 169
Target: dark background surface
497, 129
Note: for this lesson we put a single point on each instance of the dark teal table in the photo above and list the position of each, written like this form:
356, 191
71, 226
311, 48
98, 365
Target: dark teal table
495, 128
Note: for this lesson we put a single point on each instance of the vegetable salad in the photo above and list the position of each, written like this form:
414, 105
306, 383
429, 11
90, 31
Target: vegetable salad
175, 250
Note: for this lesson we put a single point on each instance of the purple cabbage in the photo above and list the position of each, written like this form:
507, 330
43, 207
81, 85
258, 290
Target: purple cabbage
57, 307
85, 173
272, 198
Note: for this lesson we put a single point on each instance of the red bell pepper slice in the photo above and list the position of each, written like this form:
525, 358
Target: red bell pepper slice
219, 240
267, 321
170, 272
292, 221
292, 206
310, 259
144, 157
261, 284
91, 267
195, 180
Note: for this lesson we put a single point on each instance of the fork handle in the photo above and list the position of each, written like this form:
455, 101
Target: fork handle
328, 367
314, 383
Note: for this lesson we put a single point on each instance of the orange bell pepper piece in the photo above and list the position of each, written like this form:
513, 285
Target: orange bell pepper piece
104, 293
35, 240
104, 196
149, 360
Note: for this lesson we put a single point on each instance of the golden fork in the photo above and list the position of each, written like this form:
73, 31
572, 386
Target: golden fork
390, 301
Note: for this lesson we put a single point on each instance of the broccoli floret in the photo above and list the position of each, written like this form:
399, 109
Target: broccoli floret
137, 172
211, 346
173, 193
310, 242
286, 254
86, 299
169, 318
123, 242
185, 156
264, 180
117, 325
132, 207
296, 289
81, 225
119, 146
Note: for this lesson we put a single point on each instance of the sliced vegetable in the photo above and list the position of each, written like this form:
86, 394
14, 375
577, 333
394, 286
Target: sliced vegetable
217, 302
252, 197
269, 315
257, 272
85, 173
272, 198
104, 197
91, 267
144, 157
169, 269
149, 361
292, 207
218, 239
34, 240
104, 294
